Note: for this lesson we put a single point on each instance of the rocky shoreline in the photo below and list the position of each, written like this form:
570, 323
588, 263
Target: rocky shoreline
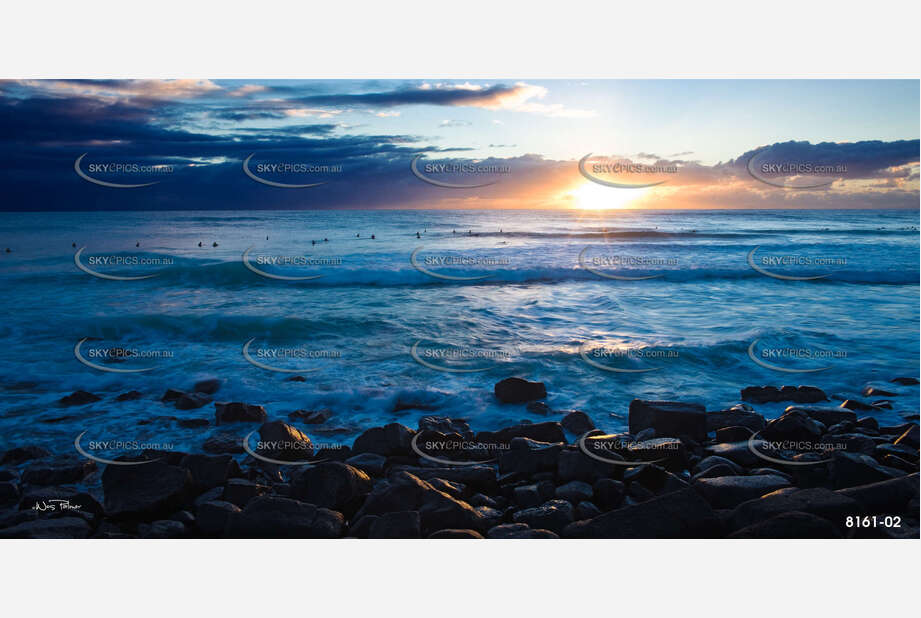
817, 471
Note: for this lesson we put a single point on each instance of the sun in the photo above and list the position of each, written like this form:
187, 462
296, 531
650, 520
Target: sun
592, 196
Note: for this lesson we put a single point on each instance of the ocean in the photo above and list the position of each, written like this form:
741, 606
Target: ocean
426, 316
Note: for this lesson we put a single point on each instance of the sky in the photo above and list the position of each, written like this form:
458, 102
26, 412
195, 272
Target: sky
510, 143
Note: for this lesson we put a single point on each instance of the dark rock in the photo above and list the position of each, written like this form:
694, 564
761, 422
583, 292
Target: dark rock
538, 407
296, 379
904, 381
850, 470
162, 529
715, 472
608, 493
909, 438
519, 531
826, 416
333, 485
191, 401
482, 478
527, 457
361, 528
211, 470
669, 418
574, 465
548, 431
517, 390
553, 515
146, 490
816, 501
726, 492
240, 491
78, 398
171, 394
482, 500
402, 491
868, 424
455, 490
715, 460
184, 517
371, 463
853, 404
884, 497
872, 391
772, 394
792, 426
281, 441
577, 422
456, 533
223, 443
527, 496
733, 434
9, 492
58, 472
737, 452
19, 454
885, 404
587, 510
236, 412
129, 396
55, 528
396, 525
391, 439
208, 387
852, 443
734, 418
574, 491
312, 417
792, 525
445, 425
679, 514
272, 517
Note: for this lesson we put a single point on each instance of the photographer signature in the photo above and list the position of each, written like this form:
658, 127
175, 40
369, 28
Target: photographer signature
54, 505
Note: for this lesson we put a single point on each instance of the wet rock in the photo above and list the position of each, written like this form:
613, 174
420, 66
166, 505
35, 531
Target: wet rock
517, 390
519, 531
489, 517
792, 525
240, 491
171, 395
57, 472
726, 492
549, 431
361, 528
737, 452
852, 443
527, 457
792, 426
909, 438
370, 463
455, 490
456, 533
668, 418
236, 412
333, 485
904, 381
208, 387
192, 401
826, 416
78, 398
55, 528
872, 391
396, 525
270, 517
445, 425
223, 443
129, 396
735, 418
281, 441
553, 515
577, 422
574, 491
482, 478
538, 407
679, 514
20, 454
145, 491
850, 470
403, 491
853, 404
296, 379
772, 394
574, 465
527, 496
391, 439
868, 424
211, 470
715, 460
311, 417
482, 500
733, 434
715, 472
817, 501
587, 510
608, 493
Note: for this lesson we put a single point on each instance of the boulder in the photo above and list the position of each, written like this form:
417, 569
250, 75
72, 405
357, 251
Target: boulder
396, 525
391, 439
58, 472
577, 422
52, 528
909, 438
223, 442
574, 491
818, 501
792, 426
129, 396
192, 401
549, 431
872, 391
792, 525
482, 478
675, 515
852, 469
553, 515
526, 457
162, 529
772, 394
78, 398
311, 417
240, 491
884, 497
608, 493
372, 463
669, 418
236, 412
519, 531
456, 533
735, 418
854, 404
726, 492
272, 517
332, 485
904, 381
517, 390
587, 510
210, 470
208, 387
145, 491
278, 440
733, 434
20, 454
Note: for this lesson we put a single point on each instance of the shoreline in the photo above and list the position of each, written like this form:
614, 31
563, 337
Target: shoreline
680, 471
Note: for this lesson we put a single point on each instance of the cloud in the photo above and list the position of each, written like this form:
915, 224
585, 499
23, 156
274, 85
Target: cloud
454, 123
